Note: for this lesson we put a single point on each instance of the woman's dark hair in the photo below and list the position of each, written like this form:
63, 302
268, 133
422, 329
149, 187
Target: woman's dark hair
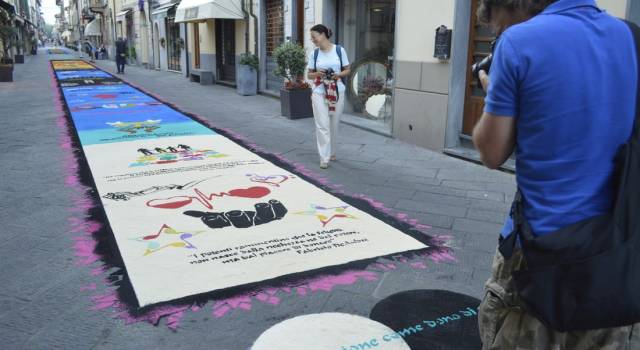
322, 29
530, 7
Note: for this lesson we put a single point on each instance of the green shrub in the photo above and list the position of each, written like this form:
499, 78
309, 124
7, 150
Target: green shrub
251, 60
291, 61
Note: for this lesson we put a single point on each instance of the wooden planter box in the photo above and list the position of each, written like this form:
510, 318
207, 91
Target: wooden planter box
296, 104
6, 72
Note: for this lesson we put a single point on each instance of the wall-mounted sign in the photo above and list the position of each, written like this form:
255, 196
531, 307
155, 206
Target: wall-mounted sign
442, 49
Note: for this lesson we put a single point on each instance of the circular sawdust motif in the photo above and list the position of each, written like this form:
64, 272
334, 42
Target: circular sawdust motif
431, 319
330, 330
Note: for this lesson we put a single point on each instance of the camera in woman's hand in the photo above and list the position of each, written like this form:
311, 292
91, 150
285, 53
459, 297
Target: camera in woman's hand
329, 73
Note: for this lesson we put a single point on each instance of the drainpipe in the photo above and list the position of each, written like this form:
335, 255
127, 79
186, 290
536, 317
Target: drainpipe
246, 27
186, 47
113, 23
255, 35
153, 48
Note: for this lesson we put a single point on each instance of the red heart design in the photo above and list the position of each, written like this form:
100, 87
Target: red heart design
170, 203
251, 192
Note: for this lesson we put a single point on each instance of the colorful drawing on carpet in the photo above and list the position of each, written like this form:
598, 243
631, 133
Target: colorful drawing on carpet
68, 65
132, 128
327, 214
264, 213
114, 106
233, 230
271, 180
170, 154
82, 74
206, 199
129, 115
174, 239
127, 195
91, 82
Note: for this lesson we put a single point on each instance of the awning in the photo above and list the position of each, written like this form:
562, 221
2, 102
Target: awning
66, 34
120, 15
93, 28
161, 9
200, 10
7, 7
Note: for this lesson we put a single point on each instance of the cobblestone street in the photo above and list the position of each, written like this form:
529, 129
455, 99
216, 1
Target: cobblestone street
46, 294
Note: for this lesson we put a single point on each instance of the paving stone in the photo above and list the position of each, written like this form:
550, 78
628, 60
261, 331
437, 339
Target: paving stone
40, 286
487, 215
436, 220
432, 208
440, 199
492, 196
441, 190
476, 226
475, 175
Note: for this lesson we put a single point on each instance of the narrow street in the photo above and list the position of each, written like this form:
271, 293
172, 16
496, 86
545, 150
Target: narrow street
55, 295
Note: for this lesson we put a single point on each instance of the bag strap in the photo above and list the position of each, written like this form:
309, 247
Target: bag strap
635, 30
315, 59
339, 52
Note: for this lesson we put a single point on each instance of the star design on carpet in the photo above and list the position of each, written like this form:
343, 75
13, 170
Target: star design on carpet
170, 238
328, 214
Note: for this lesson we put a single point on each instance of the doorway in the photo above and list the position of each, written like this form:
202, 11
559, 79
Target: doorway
300, 22
480, 39
196, 45
226, 50
173, 43
156, 46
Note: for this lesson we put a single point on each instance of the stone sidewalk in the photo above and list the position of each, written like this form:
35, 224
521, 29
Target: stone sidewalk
42, 305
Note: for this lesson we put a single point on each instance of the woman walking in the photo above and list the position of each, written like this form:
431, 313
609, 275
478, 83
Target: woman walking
328, 66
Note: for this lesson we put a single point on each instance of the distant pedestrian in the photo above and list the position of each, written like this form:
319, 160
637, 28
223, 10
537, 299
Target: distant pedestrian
121, 54
328, 65
184, 147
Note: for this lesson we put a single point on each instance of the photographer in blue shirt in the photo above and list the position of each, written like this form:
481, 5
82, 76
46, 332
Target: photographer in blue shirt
561, 93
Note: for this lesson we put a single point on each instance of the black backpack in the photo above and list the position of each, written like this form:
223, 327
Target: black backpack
586, 275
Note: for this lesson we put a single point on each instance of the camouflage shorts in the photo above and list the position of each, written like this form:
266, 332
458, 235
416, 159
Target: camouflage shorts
504, 324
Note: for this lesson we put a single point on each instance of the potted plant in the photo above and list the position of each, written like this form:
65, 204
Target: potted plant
247, 75
19, 57
295, 95
6, 69
8, 36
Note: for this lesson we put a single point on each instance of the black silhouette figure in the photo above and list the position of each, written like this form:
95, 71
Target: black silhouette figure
145, 151
160, 150
172, 150
184, 147
265, 213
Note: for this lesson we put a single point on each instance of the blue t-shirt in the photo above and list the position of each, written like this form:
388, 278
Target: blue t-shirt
569, 77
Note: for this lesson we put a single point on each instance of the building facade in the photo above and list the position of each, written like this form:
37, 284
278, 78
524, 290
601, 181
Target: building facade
397, 87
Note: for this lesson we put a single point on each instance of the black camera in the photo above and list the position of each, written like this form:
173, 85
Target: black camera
328, 73
484, 64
